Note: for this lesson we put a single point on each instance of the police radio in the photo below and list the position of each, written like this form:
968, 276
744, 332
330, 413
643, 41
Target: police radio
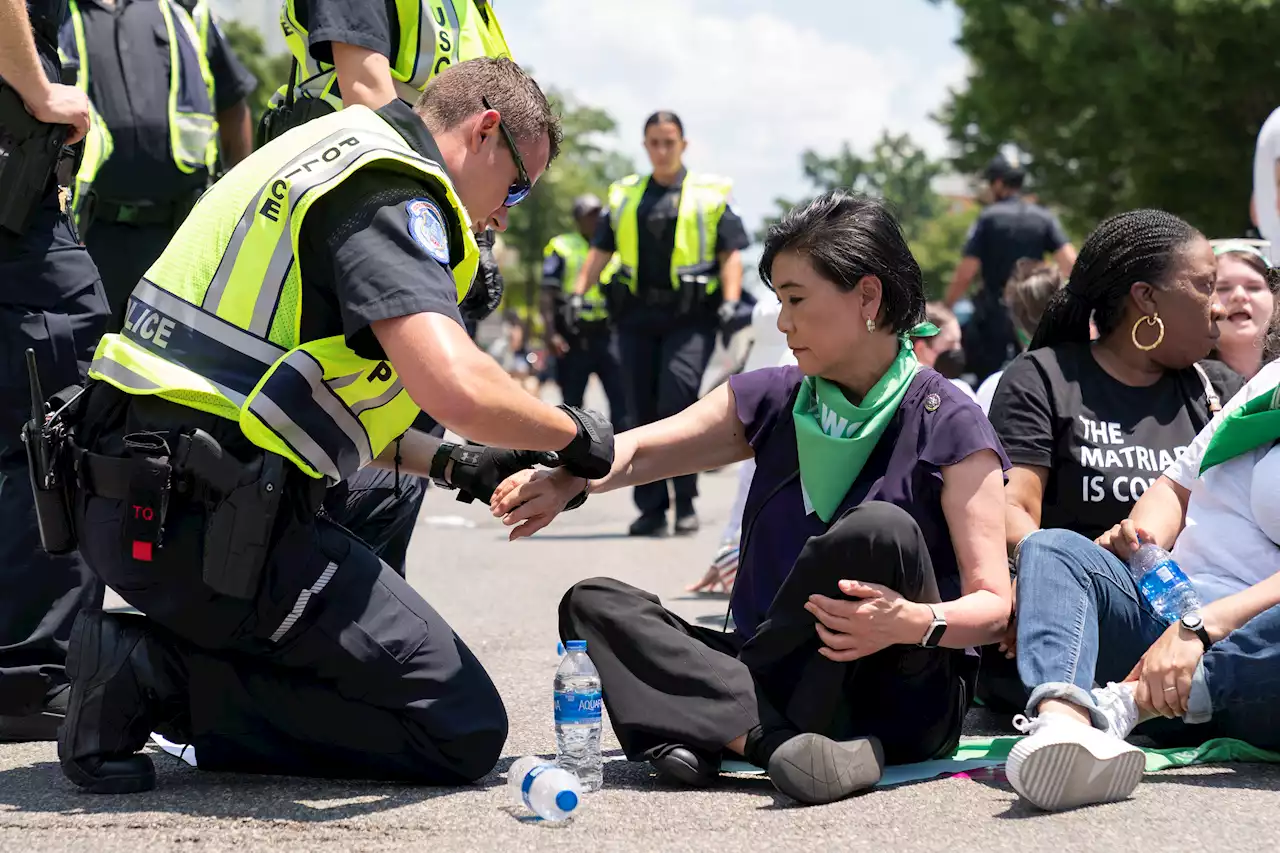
45, 438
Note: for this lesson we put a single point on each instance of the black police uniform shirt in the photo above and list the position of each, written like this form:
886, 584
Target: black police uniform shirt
362, 259
1103, 442
46, 17
128, 47
1005, 233
656, 230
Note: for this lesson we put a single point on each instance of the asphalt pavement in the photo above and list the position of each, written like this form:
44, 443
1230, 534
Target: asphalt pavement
501, 598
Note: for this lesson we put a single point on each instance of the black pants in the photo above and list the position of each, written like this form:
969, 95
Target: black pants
51, 300
370, 508
123, 254
665, 371
666, 681
336, 668
595, 352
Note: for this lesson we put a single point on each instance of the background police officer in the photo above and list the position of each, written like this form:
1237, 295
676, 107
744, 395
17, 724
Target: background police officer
1008, 230
578, 327
163, 150
50, 300
679, 280
329, 664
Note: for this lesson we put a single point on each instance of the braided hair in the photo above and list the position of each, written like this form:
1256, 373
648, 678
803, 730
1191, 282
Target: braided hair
1140, 245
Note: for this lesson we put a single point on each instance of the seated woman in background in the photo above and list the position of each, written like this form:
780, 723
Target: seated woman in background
1089, 426
1216, 671
1246, 291
872, 548
1026, 295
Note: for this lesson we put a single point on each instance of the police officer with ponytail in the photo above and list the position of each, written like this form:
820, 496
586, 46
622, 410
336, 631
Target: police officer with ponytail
678, 282
288, 338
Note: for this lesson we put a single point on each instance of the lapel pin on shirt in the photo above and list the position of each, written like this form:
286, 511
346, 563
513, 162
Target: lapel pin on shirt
932, 402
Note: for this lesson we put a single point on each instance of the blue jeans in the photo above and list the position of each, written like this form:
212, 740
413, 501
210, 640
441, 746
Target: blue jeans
1082, 621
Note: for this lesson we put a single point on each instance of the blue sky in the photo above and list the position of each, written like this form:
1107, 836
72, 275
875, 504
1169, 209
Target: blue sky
755, 81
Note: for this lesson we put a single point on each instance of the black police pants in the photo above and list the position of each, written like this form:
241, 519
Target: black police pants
123, 254
668, 682
665, 368
371, 508
51, 301
337, 668
595, 352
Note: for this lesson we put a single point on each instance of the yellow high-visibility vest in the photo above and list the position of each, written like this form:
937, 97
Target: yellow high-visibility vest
214, 324
193, 125
573, 248
434, 34
703, 201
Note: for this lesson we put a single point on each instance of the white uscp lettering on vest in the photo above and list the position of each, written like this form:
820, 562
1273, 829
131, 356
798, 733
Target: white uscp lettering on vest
149, 324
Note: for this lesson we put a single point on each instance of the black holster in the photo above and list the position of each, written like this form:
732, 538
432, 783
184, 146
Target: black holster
241, 504
30, 152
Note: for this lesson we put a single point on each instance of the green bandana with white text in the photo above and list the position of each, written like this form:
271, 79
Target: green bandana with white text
834, 437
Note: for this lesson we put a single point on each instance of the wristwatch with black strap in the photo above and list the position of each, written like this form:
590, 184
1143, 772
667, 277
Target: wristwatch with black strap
1194, 623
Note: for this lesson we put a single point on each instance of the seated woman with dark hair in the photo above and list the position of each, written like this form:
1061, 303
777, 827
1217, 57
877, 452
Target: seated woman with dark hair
854, 603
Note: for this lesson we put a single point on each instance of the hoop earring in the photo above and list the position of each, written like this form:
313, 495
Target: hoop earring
1153, 320
871, 325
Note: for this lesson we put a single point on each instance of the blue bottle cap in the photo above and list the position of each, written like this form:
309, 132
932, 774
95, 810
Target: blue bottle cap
566, 801
560, 649
577, 645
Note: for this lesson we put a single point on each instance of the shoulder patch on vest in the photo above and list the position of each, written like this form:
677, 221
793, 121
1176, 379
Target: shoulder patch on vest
426, 227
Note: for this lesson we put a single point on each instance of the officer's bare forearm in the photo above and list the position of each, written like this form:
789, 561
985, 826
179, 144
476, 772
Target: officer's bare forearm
235, 130
19, 63
547, 305
965, 271
731, 275
417, 449
363, 75
465, 390
590, 272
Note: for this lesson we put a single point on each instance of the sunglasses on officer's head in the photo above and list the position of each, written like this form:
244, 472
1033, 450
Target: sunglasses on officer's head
518, 191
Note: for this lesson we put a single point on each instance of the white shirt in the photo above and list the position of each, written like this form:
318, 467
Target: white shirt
1231, 540
1265, 158
987, 391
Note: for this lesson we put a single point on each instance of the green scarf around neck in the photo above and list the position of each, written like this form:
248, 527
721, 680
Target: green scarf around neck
1251, 426
834, 437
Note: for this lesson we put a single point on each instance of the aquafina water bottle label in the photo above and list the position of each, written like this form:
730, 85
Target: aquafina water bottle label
574, 707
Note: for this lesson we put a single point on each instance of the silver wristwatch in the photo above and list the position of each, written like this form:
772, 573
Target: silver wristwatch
938, 627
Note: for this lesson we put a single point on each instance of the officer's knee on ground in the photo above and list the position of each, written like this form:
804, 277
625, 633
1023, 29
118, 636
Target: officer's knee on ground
473, 755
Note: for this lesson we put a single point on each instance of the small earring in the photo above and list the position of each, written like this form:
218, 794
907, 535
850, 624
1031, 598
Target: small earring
871, 325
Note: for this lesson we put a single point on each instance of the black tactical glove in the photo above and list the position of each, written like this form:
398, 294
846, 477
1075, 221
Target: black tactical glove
486, 290
476, 470
590, 454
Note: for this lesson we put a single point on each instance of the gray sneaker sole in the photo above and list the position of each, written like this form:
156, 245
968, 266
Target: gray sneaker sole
816, 770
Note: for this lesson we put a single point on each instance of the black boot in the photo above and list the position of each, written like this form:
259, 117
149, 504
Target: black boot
685, 765
649, 524
124, 683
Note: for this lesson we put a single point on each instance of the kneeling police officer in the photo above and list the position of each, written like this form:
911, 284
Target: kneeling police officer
304, 313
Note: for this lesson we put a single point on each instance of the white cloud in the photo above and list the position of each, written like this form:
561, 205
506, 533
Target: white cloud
754, 90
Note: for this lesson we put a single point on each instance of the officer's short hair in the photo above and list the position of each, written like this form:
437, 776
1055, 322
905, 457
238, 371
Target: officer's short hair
455, 94
845, 237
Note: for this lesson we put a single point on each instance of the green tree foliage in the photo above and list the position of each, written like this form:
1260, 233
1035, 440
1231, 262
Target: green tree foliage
584, 166
900, 172
251, 49
1122, 103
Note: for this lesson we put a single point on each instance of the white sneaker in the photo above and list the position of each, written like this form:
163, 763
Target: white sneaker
1118, 706
1063, 763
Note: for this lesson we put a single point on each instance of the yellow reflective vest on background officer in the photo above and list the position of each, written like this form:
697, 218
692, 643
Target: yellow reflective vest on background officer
193, 125
214, 324
573, 248
433, 34
703, 200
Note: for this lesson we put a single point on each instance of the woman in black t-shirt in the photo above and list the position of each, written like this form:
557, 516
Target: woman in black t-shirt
1090, 426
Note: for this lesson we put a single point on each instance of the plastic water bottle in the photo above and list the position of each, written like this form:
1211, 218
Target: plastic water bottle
550, 792
1163, 583
578, 709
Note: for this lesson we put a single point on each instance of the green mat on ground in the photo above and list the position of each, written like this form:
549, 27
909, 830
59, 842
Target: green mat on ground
979, 753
